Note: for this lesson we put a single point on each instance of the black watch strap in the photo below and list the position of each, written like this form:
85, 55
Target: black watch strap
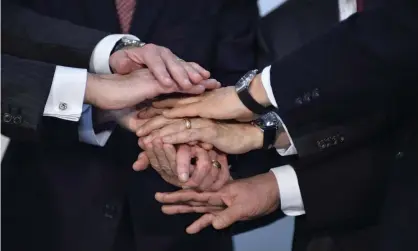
250, 103
269, 138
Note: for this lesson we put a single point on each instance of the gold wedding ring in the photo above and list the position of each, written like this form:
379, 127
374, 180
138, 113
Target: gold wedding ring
188, 123
216, 164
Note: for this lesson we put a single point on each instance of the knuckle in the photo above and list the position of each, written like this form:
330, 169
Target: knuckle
165, 50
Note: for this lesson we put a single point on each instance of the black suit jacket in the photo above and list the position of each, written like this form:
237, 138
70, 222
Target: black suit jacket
347, 144
81, 190
342, 97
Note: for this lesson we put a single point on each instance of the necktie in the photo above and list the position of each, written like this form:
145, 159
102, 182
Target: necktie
360, 5
125, 10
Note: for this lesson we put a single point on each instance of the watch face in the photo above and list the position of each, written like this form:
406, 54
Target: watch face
245, 81
270, 119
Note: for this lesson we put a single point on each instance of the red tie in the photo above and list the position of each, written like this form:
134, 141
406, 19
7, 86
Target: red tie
360, 5
125, 9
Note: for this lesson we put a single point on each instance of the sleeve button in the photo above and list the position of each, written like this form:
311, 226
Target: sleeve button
17, 120
7, 117
298, 101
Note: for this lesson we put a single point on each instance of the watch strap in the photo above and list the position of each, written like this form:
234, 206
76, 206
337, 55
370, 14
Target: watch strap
269, 138
250, 102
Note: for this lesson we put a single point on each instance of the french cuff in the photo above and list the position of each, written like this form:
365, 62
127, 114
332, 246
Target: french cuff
290, 196
66, 97
99, 61
291, 150
86, 132
265, 80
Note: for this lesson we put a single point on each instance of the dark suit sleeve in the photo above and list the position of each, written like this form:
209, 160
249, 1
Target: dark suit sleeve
345, 190
364, 68
27, 34
25, 88
236, 40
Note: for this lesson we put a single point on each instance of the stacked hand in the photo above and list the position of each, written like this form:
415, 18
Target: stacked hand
147, 71
239, 200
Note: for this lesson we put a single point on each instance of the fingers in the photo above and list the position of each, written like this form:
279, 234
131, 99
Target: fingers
210, 84
184, 209
203, 72
164, 164
172, 102
206, 146
224, 175
176, 69
151, 57
170, 153
196, 89
200, 223
193, 72
187, 195
204, 174
183, 162
149, 112
152, 157
227, 217
194, 134
189, 110
152, 125
142, 162
201, 170
179, 125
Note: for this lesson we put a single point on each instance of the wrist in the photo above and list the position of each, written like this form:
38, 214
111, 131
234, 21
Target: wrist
256, 137
258, 92
282, 141
92, 80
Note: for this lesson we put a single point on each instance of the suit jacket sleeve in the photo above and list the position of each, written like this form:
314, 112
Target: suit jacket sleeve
25, 88
345, 190
27, 34
362, 71
236, 40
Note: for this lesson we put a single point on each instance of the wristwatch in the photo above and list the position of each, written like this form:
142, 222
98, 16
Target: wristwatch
271, 126
242, 88
127, 42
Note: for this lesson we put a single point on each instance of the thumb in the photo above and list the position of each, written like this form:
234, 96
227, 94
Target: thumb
121, 63
227, 217
141, 163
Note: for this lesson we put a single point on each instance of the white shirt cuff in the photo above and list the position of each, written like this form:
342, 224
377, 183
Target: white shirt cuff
265, 80
86, 132
290, 196
99, 61
66, 97
291, 150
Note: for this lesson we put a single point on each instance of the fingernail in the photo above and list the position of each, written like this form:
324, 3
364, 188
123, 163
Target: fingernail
138, 132
183, 177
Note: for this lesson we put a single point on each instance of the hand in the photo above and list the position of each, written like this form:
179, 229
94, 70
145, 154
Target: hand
176, 168
112, 92
237, 201
231, 138
162, 63
222, 103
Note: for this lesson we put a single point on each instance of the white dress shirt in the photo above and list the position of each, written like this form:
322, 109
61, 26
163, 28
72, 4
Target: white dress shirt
66, 97
287, 180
